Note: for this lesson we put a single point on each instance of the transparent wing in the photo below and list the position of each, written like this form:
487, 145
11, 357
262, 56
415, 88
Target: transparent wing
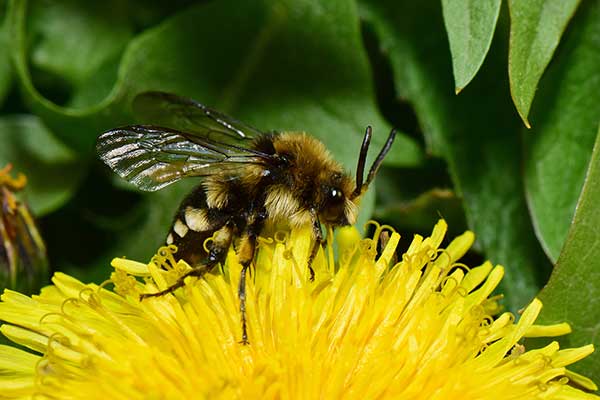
153, 157
187, 115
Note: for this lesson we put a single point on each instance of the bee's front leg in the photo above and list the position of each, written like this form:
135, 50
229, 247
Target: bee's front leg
318, 234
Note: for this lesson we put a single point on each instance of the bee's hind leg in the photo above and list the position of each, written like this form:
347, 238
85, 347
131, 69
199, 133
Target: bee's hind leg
246, 255
242, 297
198, 271
218, 251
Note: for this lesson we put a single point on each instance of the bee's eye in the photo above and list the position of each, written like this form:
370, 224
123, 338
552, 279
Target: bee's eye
335, 194
285, 158
332, 210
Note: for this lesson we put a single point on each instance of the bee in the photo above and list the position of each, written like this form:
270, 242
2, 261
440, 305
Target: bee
250, 179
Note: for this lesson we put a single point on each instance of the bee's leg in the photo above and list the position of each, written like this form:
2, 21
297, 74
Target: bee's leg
218, 251
246, 255
242, 297
198, 271
318, 234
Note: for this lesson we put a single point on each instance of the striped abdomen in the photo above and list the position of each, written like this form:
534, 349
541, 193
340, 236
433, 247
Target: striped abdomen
194, 223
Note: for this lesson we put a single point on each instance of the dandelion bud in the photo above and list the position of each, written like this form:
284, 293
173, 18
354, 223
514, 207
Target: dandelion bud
23, 261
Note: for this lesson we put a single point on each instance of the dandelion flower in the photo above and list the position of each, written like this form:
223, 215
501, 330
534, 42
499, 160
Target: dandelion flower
424, 328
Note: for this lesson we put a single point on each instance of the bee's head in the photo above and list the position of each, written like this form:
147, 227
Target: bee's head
340, 196
336, 207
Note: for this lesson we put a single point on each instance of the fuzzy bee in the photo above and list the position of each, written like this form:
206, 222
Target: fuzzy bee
250, 180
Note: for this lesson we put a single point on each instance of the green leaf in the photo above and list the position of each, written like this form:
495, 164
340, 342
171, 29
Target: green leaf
470, 25
559, 146
477, 133
535, 30
52, 170
571, 295
265, 70
76, 127
73, 39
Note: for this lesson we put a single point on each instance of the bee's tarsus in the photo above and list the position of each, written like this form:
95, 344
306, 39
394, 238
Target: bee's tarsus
168, 290
242, 297
311, 273
318, 234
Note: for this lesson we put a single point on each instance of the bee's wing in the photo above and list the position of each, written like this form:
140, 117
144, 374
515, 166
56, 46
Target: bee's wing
187, 115
153, 157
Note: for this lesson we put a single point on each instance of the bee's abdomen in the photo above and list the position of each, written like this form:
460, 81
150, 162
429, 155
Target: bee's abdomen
193, 224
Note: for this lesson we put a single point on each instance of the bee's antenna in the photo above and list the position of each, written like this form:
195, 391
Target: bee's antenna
380, 157
362, 159
360, 186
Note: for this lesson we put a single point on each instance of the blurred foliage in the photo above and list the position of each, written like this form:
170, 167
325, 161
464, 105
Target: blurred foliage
69, 69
